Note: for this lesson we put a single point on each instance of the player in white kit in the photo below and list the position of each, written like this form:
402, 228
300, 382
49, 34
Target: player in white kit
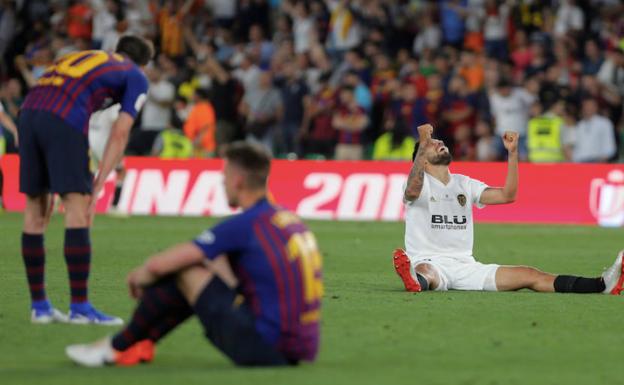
439, 231
100, 125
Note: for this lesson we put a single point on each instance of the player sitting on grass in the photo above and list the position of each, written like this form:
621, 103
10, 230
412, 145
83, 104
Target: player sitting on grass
254, 282
439, 231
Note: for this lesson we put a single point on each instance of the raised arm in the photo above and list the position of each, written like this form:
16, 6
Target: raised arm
507, 194
416, 178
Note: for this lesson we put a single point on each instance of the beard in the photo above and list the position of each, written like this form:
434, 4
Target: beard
441, 160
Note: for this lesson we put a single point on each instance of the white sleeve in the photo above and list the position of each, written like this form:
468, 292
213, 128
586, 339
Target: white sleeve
1, 107
476, 188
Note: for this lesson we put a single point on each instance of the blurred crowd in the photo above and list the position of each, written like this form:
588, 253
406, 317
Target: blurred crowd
348, 79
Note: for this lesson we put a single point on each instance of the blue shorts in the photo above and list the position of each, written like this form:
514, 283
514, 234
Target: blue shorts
54, 156
229, 325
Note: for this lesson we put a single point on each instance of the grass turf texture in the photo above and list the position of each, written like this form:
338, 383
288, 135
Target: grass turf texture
373, 331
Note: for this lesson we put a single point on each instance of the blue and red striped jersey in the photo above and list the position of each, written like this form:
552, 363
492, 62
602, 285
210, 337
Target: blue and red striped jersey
279, 266
80, 83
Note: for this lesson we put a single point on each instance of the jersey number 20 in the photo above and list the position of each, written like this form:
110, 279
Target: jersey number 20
75, 65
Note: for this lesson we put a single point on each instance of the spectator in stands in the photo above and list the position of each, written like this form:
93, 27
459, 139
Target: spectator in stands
247, 74
259, 47
458, 108
593, 58
320, 137
509, 107
296, 102
595, 136
396, 143
344, 32
350, 120
548, 138
226, 98
262, 109
105, 13
406, 110
303, 24
363, 94
79, 20
429, 38
495, 29
484, 143
200, 126
453, 23
471, 69
156, 115
171, 21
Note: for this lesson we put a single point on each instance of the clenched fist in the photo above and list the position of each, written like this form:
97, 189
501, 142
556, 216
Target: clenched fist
424, 132
510, 141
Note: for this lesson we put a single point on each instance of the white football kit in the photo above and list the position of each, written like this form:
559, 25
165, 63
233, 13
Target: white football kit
439, 231
100, 126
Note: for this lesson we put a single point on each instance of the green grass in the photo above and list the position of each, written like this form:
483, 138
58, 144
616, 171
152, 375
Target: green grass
372, 332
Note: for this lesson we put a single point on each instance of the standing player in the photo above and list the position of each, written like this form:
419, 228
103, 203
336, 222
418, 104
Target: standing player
54, 158
254, 282
100, 126
439, 231
6, 122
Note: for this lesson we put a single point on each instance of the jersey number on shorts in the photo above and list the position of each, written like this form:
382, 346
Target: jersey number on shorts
75, 65
303, 247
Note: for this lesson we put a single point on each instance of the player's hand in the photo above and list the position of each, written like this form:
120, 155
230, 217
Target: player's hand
424, 133
92, 203
510, 141
135, 291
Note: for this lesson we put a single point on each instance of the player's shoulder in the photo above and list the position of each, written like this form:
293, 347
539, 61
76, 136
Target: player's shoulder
462, 179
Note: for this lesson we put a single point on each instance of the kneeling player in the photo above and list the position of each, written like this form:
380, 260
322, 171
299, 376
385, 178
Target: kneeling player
100, 125
254, 282
439, 231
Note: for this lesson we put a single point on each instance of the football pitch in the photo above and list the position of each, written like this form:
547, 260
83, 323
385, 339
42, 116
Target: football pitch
372, 331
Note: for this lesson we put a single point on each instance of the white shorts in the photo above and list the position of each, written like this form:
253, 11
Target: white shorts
456, 274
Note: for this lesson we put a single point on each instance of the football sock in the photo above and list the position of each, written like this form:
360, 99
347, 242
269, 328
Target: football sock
424, 284
580, 285
33, 254
78, 259
118, 188
161, 309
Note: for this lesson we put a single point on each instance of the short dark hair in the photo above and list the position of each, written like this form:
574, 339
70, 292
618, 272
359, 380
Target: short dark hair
203, 93
416, 146
136, 48
253, 159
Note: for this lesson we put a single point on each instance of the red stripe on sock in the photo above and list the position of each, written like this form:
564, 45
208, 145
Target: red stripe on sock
79, 299
37, 287
79, 268
78, 284
40, 252
76, 250
35, 270
127, 335
40, 298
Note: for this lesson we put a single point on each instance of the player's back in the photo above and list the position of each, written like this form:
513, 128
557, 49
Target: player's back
80, 83
280, 271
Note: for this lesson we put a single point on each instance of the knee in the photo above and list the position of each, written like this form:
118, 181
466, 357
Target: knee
430, 273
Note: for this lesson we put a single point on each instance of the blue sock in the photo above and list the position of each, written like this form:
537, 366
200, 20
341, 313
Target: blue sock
43, 304
81, 307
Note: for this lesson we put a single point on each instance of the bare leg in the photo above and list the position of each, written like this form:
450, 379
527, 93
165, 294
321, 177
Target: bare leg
192, 280
37, 213
430, 273
76, 206
509, 278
